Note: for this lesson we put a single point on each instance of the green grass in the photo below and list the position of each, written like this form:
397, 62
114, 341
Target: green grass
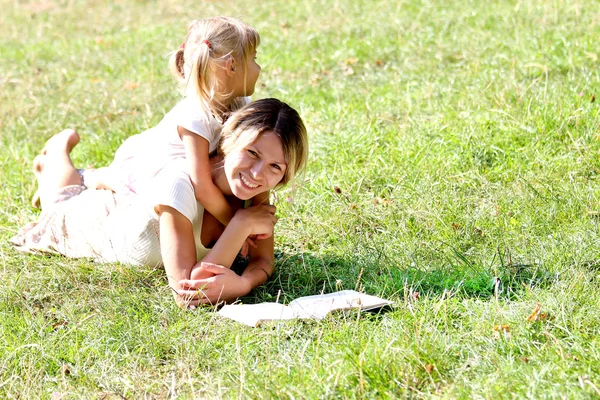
453, 145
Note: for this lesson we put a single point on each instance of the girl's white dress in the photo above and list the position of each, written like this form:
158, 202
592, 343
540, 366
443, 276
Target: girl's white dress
142, 156
109, 227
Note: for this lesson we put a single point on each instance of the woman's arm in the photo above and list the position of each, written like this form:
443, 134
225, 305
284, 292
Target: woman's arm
225, 284
206, 192
177, 246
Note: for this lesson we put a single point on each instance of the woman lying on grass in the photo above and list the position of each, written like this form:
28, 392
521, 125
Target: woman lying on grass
264, 144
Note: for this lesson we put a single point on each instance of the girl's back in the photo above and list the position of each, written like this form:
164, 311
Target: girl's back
143, 155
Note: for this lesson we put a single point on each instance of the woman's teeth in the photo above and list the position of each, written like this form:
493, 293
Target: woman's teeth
247, 183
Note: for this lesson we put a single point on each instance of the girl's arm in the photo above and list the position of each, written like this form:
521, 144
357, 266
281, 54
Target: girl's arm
262, 198
256, 220
207, 193
224, 284
260, 267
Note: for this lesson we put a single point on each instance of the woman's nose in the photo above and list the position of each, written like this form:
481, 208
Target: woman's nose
256, 169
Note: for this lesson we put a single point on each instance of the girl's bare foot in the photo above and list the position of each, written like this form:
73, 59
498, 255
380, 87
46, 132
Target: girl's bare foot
59, 145
65, 140
38, 164
38, 167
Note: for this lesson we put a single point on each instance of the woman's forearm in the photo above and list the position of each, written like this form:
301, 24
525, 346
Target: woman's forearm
177, 245
257, 273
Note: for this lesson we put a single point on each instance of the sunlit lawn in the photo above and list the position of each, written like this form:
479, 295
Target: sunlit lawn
454, 169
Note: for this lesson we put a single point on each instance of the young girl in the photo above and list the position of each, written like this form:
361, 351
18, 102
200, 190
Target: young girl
216, 66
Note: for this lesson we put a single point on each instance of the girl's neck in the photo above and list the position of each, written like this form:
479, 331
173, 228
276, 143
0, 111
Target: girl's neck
222, 107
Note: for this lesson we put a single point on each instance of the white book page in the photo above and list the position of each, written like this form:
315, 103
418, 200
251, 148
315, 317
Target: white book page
252, 314
320, 305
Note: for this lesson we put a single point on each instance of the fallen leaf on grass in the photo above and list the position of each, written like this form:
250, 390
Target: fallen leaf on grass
429, 368
59, 324
131, 85
314, 80
346, 66
337, 190
537, 315
503, 330
379, 200
66, 371
285, 28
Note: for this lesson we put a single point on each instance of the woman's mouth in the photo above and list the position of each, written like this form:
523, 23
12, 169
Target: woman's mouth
247, 183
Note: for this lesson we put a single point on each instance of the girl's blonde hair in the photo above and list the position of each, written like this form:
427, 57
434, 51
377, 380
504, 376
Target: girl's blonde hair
246, 125
209, 42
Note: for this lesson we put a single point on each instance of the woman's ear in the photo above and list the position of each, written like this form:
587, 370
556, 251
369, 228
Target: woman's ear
230, 66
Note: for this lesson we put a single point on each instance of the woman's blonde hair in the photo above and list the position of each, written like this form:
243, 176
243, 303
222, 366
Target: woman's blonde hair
209, 42
246, 125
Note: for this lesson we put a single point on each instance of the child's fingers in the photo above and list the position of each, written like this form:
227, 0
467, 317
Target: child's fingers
244, 251
251, 242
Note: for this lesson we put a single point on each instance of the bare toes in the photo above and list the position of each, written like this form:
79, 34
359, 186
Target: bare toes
38, 164
65, 140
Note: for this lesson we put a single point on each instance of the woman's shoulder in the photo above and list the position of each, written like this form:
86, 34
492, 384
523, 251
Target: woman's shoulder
172, 187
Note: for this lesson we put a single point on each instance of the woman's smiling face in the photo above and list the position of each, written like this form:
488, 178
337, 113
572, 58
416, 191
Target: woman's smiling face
256, 168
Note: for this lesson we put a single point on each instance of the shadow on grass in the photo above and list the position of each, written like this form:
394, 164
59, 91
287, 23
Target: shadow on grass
304, 274
299, 274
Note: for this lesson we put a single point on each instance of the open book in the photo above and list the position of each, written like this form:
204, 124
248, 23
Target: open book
316, 307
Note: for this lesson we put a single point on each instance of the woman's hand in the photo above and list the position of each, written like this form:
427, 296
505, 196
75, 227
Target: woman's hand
223, 285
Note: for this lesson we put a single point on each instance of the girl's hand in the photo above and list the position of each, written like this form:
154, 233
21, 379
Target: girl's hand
224, 285
258, 220
250, 242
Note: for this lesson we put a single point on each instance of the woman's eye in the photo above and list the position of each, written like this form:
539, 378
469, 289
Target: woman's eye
277, 167
253, 153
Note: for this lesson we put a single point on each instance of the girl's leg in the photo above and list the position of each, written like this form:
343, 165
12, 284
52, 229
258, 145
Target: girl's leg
53, 168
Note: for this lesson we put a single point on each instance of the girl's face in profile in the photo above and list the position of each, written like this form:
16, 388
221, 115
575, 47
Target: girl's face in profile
246, 79
256, 168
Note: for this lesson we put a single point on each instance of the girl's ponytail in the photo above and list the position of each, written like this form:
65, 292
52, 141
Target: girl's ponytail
202, 71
